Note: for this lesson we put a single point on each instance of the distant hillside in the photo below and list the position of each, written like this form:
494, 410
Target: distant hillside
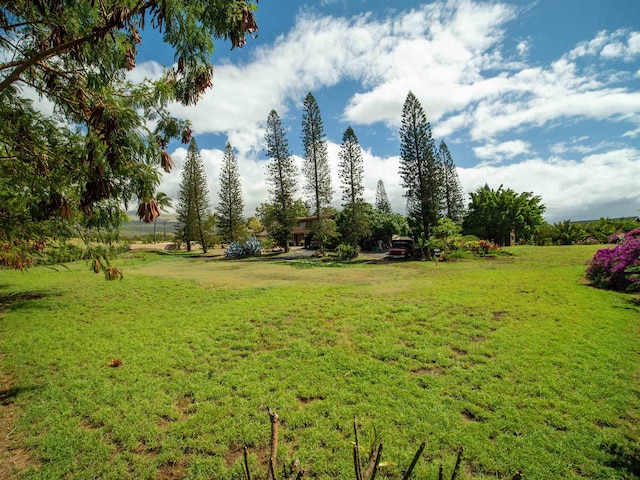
621, 219
135, 228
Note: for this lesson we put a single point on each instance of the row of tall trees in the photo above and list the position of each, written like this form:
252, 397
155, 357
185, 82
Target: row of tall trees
196, 223
433, 189
282, 174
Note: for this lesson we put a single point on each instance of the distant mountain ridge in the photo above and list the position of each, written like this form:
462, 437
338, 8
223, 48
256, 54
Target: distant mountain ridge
166, 223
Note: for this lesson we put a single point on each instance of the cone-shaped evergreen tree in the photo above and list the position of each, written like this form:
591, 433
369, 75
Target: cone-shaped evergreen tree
452, 192
281, 177
351, 168
316, 162
193, 200
382, 200
231, 224
419, 169
351, 175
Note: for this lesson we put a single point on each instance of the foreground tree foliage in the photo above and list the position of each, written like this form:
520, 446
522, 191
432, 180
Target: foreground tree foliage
97, 144
494, 214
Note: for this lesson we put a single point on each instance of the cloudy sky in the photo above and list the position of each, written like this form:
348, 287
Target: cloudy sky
540, 96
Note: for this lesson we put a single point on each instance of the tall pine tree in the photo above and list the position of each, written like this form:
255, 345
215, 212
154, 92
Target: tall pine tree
231, 224
281, 177
382, 200
419, 169
351, 175
316, 163
351, 168
193, 200
452, 192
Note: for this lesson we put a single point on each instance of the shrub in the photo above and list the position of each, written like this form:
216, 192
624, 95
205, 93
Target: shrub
347, 252
483, 247
614, 268
250, 248
63, 253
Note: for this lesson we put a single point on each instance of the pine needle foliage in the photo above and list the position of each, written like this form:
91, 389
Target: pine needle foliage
193, 200
352, 174
281, 178
453, 194
419, 168
231, 223
316, 161
351, 168
382, 200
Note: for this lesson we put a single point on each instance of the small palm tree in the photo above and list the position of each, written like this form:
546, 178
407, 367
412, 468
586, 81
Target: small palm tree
164, 203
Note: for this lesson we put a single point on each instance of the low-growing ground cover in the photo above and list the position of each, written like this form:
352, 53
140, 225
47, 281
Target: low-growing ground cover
515, 358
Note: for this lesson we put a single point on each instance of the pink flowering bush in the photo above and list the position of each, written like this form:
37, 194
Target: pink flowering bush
615, 268
483, 247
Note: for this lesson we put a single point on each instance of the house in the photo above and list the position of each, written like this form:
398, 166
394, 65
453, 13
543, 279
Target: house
301, 232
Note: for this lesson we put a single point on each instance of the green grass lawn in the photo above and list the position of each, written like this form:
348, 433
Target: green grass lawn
515, 358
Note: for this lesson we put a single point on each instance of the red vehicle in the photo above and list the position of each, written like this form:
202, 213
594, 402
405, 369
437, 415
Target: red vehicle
401, 249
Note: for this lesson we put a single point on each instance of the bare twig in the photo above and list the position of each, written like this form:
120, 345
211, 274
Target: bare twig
454, 475
416, 457
247, 474
356, 452
273, 416
376, 463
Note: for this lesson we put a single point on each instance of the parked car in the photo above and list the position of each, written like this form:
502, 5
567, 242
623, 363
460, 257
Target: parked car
401, 249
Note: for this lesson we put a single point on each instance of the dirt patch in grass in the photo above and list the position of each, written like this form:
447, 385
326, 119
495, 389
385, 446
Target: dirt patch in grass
184, 405
173, 471
436, 371
13, 459
233, 454
304, 400
497, 316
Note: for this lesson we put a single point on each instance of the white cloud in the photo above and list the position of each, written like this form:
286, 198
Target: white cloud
146, 70
621, 43
497, 152
632, 133
450, 55
568, 187
439, 51
523, 48
40, 103
495, 117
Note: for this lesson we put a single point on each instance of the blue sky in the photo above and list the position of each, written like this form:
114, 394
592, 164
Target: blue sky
541, 96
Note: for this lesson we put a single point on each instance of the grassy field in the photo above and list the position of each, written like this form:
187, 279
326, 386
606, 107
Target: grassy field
515, 358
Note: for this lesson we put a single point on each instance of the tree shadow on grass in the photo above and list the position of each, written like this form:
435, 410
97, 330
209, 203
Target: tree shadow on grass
17, 300
624, 459
10, 392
